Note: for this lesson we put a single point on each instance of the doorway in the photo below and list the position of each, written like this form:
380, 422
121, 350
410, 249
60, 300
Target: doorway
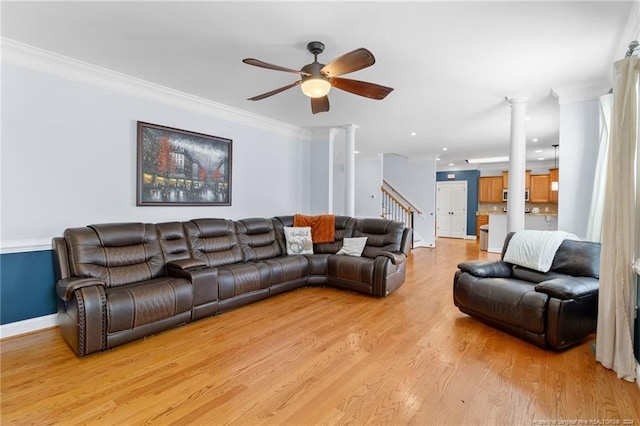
451, 209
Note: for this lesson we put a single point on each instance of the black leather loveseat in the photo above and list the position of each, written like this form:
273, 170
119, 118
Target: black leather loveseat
119, 282
555, 309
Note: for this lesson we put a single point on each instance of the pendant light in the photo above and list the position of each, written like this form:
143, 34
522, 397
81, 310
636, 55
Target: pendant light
554, 184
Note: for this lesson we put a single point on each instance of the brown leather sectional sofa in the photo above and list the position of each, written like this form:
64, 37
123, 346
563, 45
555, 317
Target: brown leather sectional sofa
555, 309
119, 282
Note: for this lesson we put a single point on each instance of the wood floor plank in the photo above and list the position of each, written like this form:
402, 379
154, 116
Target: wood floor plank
320, 356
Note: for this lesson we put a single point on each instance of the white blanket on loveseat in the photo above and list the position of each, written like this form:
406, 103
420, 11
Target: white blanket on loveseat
535, 249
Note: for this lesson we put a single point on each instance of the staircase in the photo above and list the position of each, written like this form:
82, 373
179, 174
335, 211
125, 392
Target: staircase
396, 206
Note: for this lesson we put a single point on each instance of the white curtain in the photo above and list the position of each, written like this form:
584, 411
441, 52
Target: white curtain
594, 226
616, 307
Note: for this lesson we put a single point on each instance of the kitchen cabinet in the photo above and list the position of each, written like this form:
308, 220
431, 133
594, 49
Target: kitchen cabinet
553, 177
539, 189
490, 189
481, 219
527, 179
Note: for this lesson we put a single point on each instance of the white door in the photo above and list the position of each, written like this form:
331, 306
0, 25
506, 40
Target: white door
451, 202
443, 215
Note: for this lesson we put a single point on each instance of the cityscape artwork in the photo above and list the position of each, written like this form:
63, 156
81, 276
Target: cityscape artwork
178, 167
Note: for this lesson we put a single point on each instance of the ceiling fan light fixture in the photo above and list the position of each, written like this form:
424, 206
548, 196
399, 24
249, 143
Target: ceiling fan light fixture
318, 78
315, 87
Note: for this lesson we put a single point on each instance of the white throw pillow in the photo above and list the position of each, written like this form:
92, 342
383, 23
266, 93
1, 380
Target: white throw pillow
298, 240
353, 246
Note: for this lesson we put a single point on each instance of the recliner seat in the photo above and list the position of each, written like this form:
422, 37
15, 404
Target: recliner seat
121, 292
555, 309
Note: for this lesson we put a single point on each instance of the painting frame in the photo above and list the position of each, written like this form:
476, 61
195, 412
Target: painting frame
178, 167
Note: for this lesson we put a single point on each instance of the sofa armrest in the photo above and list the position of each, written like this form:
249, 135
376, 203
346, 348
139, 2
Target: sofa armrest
407, 241
568, 287
189, 263
396, 257
486, 268
203, 280
66, 286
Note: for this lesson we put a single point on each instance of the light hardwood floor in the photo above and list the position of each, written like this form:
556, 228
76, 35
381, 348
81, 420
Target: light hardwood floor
321, 356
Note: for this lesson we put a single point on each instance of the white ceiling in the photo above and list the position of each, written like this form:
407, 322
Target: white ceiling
451, 63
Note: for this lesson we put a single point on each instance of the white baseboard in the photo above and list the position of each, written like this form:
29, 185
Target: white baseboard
28, 326
470, 237
422, 244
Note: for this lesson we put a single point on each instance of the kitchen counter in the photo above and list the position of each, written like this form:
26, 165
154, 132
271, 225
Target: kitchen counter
498, 227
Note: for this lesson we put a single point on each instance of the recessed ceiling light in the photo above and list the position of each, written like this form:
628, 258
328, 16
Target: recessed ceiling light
356, 152
444, 149
451, 164
413, 133
527, 118
538, 150
534, 140
540, 158
437, 158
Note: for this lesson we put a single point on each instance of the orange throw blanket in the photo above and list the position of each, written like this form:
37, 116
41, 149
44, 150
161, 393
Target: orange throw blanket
323, 227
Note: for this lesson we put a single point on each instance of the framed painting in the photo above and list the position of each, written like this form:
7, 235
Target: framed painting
181, 168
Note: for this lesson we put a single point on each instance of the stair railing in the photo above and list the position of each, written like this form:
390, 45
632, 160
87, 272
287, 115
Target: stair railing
396, 206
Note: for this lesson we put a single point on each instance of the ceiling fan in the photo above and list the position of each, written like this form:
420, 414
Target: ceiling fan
317, 79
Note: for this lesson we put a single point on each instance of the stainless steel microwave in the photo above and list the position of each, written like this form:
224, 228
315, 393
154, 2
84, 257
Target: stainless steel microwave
505, 191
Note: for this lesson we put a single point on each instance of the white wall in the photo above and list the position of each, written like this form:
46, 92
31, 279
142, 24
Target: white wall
416, 179
421, 190
69, 158
394, 171
368, 182
577, 154
321, 173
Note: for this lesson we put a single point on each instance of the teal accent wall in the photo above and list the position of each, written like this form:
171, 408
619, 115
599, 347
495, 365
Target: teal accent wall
471, 176
27, 286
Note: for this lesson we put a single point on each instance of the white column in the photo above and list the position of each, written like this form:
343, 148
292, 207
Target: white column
350, 171
332, 135
517, 165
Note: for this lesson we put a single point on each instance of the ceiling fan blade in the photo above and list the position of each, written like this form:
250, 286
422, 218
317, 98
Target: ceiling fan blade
262, 64
320, 104
349, 62
362, 88
275, 91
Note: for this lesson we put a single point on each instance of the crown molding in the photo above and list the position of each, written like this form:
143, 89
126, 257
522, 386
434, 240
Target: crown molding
580, 93
631, 31
596, 89
36, 59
